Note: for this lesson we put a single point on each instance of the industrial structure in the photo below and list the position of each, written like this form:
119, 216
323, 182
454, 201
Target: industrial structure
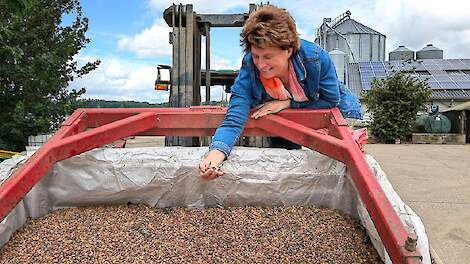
359, 42
358, 53
188, 27
448, 79
186, 77
348, 41
401, 53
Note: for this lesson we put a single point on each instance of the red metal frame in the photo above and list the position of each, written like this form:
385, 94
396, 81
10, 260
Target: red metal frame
324, 131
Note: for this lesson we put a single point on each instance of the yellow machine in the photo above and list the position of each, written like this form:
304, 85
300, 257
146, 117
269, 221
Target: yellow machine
5, 154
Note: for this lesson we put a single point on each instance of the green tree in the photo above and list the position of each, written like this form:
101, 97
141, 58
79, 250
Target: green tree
37, 63
394, 104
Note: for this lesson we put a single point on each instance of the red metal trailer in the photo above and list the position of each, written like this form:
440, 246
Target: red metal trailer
325, 131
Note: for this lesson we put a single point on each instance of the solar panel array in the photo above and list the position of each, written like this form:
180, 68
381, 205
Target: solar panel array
439, 74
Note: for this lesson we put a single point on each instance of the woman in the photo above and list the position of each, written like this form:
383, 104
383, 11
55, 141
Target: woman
279, 71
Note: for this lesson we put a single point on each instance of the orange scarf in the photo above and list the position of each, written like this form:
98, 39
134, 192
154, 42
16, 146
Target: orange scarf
276, 89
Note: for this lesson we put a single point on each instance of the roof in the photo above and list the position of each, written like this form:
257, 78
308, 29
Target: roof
451, 94
448, 78
429, 47
351, 26
401, 49
460, 107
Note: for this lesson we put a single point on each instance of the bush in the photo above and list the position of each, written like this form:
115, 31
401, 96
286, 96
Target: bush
394, 104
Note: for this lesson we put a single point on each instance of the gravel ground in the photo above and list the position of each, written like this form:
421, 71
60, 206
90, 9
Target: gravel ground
141, 234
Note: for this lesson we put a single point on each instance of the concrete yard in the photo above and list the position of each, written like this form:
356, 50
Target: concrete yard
434, 180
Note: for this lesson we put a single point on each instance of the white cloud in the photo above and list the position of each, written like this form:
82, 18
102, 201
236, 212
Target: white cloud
117, 79
151, 42
218, 62
304, 34
411, 23
415, 24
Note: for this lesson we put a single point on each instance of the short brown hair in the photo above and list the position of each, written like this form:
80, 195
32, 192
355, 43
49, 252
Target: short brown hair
269, 26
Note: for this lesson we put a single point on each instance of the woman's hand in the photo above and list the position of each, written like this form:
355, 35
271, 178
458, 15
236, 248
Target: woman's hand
209, 166
270, 107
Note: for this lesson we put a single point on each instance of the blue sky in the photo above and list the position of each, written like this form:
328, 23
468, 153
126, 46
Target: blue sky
131, 38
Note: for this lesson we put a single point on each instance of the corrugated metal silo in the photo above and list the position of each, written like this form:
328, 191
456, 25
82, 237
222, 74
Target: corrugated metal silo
358, 41
401, 53
430, 52
338, 57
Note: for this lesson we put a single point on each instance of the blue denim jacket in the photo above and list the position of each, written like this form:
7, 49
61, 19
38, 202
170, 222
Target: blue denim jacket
317, 76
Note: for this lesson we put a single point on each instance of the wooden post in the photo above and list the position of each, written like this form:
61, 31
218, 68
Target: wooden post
208, 62
183, 92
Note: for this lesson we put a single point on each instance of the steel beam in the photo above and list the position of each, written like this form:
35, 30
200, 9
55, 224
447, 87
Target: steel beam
223, 20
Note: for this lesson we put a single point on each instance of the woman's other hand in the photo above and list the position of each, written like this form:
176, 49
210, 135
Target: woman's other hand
270, 107
209, 166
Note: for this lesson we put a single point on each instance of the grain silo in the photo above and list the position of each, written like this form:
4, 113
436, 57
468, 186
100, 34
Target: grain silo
358, 41
430, 52
338, 57
401, 53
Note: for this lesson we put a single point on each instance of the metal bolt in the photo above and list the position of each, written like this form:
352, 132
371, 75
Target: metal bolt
411, 241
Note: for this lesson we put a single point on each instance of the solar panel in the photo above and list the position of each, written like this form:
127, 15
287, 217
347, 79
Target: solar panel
463, 84
366, 86
431, 67
443, 64
419, 67
458, 77
434, 85
381, 74
442, 77
448, 85
376, 70
438, 73
457, 64
466, 62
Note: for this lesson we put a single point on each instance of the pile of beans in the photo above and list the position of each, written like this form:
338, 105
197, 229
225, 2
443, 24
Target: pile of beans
138, 233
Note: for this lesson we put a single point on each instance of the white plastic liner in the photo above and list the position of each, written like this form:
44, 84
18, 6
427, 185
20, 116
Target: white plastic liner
169, 177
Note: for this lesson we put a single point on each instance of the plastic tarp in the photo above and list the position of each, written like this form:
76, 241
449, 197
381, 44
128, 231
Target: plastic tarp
169, 177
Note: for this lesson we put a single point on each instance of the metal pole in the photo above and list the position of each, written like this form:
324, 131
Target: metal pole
208, 62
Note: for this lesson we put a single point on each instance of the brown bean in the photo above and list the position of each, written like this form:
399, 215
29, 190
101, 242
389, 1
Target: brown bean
142, 234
